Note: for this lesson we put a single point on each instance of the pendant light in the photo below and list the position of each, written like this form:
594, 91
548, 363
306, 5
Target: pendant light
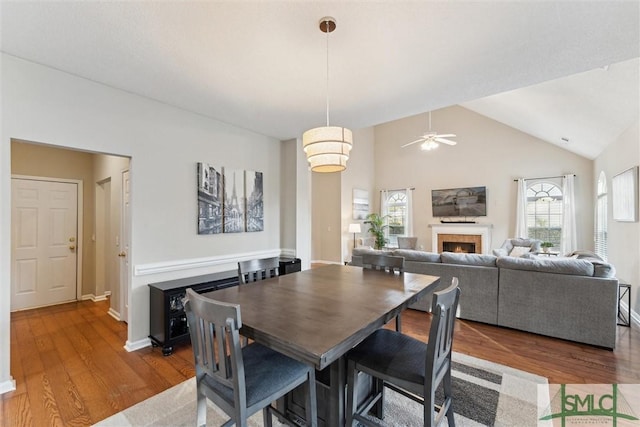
327, 147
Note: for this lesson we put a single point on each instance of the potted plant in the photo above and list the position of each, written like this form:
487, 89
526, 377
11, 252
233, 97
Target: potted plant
376, 227
546, 245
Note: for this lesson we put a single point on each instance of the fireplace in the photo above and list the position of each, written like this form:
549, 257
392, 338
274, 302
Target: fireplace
464, 243
462, 238
459, 247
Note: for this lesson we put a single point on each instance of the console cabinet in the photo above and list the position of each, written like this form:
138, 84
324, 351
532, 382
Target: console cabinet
167, 319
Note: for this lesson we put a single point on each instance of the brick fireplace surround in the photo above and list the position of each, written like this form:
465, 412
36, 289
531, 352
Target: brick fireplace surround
478, 235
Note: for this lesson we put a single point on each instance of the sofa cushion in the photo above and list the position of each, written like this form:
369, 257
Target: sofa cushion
602, 268
407, 242
479, 260
413, 255
576, 267
519, 251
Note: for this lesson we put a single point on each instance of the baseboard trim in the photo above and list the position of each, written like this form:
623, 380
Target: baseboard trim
187, 264
7, 386
320, 261
137, 345
632, 315
114, 314
94, 298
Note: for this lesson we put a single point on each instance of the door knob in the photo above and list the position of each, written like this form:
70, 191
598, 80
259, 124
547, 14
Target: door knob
72, 247
72, 239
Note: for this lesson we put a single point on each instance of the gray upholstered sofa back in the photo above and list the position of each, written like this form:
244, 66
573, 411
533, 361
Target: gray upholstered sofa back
568, 298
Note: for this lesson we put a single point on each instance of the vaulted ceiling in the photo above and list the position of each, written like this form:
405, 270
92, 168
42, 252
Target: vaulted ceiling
261, 65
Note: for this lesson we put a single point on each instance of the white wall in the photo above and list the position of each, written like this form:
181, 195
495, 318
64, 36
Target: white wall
623, 237
43, 105
488, 154
360, 174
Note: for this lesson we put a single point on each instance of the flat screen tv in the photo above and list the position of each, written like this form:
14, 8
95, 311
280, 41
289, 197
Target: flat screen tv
468, 201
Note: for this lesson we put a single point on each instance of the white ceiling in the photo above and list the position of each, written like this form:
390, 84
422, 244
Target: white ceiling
261, 65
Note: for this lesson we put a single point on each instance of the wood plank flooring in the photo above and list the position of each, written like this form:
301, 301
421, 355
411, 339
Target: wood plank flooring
71, 368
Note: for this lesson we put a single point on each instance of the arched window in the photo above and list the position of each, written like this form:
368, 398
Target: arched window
601, 217
544, 212
397, 212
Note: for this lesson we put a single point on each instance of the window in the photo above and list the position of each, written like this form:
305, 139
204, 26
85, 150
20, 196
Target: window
544, 212
601, 217
397, 216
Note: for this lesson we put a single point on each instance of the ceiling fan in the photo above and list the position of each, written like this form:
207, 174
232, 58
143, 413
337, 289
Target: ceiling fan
431, 139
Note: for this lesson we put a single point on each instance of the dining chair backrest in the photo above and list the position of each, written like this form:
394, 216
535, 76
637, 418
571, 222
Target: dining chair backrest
390, 264
387, 263
407, 365
258, 269
214, 327
221, 374
444, 307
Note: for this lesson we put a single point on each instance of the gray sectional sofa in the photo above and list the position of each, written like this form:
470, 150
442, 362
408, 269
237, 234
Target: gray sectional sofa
573, 298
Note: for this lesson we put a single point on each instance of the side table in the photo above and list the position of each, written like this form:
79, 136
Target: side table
624, 289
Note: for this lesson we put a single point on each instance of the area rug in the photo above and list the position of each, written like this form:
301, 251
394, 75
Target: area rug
485, 394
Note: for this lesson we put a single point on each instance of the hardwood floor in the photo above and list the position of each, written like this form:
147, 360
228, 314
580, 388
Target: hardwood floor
71, 368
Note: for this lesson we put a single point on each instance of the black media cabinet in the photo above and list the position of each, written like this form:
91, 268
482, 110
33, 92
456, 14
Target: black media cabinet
289, 265
167, 319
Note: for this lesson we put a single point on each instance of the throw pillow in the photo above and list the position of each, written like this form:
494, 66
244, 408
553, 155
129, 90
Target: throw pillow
519, 251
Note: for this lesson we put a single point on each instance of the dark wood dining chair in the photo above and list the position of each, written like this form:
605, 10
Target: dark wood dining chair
388, 263
240, 380
411, 367
258, 269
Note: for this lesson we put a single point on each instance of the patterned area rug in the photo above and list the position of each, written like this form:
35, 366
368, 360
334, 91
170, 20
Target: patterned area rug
485, 394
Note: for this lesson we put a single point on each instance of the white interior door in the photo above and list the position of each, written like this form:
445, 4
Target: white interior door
125, 225
44, 221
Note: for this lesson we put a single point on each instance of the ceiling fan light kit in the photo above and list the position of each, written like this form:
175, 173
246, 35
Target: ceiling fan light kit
431, 140
327, 147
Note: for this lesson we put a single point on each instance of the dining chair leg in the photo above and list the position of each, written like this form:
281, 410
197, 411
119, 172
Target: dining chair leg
201, 410
399, 322
352, 396
429, 408
378, 389
266, 415
448, 393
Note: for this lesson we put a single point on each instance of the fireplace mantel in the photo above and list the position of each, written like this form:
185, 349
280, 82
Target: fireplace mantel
482, 230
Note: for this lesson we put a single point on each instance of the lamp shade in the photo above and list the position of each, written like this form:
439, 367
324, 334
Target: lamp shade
327, 148
354, 228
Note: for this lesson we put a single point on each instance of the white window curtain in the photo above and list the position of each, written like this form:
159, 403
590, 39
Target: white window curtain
384, 210
409, 220
521, 210
568, 243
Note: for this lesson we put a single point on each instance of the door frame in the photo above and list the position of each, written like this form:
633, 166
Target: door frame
125, 242
79, 241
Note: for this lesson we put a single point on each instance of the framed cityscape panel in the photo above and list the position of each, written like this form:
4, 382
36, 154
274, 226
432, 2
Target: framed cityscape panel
255, 202
209, 199
234, 201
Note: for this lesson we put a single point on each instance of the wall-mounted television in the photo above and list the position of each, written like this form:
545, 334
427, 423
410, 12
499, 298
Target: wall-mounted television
467, 201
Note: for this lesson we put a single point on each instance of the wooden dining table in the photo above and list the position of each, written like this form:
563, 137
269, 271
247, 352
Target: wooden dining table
318, 315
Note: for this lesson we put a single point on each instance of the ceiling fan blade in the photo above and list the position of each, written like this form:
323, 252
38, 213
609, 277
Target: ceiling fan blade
445, 141
413, 142
446, 135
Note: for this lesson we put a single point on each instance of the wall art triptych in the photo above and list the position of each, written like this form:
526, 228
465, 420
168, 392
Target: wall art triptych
229, 200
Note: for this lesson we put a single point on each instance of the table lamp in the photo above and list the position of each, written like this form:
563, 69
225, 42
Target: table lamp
354, 228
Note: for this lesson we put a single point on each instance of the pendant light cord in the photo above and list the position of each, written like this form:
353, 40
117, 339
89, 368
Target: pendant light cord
327, 30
